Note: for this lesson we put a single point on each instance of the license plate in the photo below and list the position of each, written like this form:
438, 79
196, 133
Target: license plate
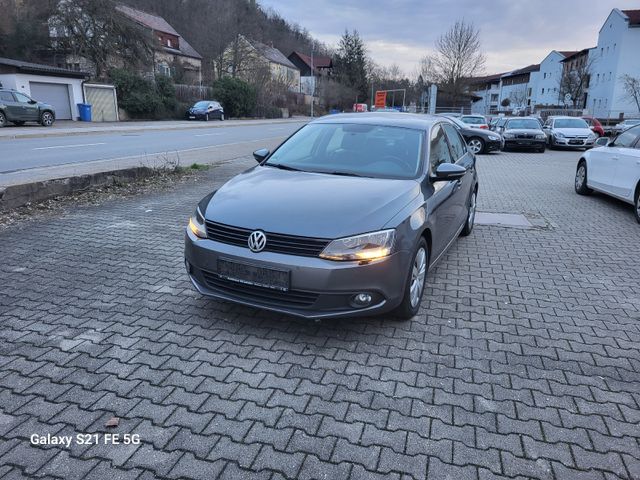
254, 275
575, 142
524, 142
191, 117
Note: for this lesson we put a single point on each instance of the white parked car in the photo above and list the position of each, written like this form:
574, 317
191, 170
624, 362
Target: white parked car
628, 123
475, 121
571, 132
613, 168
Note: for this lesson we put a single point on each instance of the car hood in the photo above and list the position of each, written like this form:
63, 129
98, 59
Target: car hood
573, 131
309, 204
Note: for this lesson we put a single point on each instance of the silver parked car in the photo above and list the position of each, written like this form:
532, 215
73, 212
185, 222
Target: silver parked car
344, 218
571, 132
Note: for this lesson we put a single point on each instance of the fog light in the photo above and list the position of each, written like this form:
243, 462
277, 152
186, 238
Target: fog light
361, 300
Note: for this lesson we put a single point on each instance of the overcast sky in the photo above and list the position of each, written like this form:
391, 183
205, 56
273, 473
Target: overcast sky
514, 33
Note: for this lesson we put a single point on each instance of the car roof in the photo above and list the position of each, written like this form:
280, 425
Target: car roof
389, 119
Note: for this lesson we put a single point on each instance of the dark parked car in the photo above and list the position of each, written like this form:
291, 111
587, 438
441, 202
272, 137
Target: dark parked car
18, 108
479, 141
524, 133
206, 110
344, 218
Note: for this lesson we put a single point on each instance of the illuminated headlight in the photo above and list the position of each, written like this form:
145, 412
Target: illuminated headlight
541, 136
508, 135
558, 134
369, 246
197, 226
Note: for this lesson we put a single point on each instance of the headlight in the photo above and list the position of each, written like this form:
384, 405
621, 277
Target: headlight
369, 246
508, 135
591, 137
541, 136
494, 137
197, 226
558, 134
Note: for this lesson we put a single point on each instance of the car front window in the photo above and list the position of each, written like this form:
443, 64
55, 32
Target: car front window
352, 149
22, 98
570, 123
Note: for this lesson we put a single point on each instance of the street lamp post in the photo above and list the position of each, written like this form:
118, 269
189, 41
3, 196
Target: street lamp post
313, 82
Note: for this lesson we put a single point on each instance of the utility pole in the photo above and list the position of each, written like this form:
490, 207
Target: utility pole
313, 82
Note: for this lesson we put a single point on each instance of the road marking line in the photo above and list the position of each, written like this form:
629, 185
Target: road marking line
208, 134
70, 146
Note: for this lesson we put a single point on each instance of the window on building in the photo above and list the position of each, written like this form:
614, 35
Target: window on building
609, 76
169, 42
543, 91
597, 79
545, 74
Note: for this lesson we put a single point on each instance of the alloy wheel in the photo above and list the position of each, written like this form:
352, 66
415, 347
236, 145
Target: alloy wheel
471, 218
418, 275
3, 120
638, 207
47, 119
475, 145
581, 175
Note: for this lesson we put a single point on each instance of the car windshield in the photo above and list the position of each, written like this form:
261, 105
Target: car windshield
201, 105
474, 120
631, 122
352, 149
570, 123
528, 123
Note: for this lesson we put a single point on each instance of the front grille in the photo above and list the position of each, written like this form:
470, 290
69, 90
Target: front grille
276, 242
290, 298
525, 135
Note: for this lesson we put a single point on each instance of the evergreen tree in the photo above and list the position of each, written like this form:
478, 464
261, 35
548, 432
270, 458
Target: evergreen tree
351, 64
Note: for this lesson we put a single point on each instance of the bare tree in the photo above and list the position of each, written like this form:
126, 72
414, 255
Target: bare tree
97, 31
458, 56
518, 97
631, 86
575, 78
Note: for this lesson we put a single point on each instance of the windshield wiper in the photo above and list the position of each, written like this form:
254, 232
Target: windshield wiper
284, 167
344, 174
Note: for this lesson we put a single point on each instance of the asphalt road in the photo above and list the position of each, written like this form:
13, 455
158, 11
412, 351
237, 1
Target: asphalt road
29, 153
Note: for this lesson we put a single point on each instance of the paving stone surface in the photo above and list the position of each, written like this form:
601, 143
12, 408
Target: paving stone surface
523, 361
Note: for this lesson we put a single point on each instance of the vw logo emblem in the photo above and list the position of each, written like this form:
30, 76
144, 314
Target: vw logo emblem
257, 241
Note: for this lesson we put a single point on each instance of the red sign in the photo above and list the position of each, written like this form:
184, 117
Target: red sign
381, 99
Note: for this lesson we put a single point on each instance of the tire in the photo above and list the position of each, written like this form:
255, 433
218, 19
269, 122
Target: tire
3, 120
580, 183
411, 303
476, 145
471, 214
47, 119
206, 117
542, 149
637, 203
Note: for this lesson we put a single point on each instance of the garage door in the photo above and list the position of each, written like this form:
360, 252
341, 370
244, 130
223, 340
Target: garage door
103, 103
55, 94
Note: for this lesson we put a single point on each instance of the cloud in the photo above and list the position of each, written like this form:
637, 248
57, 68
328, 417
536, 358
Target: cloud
513, 33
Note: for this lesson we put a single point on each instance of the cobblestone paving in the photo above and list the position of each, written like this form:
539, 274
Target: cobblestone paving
523, 362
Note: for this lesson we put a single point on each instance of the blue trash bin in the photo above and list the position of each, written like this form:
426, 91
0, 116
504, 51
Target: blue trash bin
85, 112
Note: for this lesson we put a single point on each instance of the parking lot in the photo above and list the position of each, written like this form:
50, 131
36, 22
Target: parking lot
523, 362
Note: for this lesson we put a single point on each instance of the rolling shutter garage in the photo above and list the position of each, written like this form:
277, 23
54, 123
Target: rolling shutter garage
55, 94
103, 103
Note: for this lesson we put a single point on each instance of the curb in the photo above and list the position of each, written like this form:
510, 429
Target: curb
105, 131
15, 196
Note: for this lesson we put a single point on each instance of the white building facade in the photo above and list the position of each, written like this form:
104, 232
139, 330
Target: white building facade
546, 91
616, 54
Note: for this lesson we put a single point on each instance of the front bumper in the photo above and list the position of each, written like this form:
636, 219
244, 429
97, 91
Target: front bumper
533, 143
572, 142
318, 288
493, 145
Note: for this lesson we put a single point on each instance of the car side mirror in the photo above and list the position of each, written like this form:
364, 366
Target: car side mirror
261, 154
603, 141
32, 102
448, 171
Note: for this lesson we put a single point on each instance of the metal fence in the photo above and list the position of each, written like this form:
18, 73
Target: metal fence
192, 93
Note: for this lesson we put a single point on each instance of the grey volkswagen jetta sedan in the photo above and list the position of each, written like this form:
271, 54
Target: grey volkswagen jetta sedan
344, 218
